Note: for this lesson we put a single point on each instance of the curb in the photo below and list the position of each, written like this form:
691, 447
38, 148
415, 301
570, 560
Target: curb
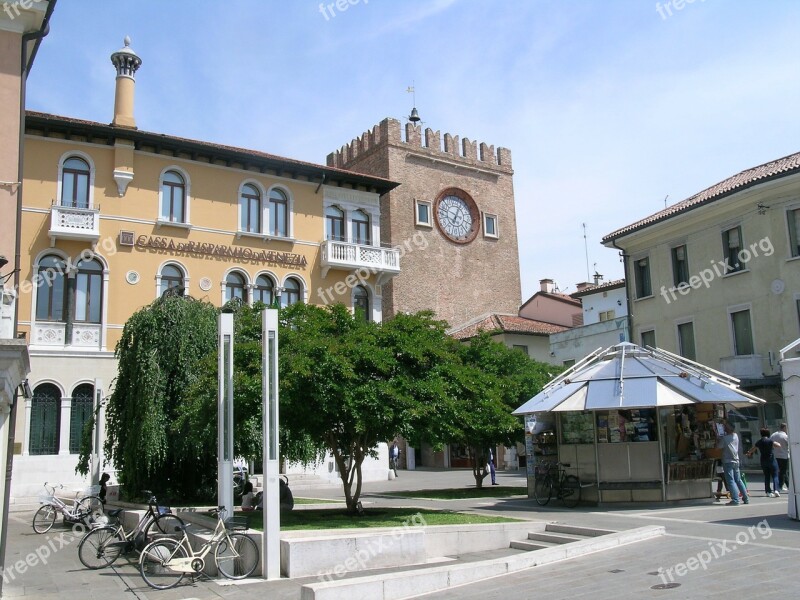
409, 584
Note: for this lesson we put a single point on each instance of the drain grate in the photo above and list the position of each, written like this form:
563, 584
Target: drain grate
665, 586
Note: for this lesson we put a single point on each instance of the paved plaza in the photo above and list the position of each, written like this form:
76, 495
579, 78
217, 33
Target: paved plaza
710, 550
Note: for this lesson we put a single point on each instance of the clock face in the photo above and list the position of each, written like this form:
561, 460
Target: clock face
457, 216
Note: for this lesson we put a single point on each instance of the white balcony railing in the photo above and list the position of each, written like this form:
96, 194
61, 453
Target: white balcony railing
84, 335
748, 366
384, 262
70, 223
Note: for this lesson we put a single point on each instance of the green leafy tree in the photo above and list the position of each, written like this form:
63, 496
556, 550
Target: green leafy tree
494, 380
159, 357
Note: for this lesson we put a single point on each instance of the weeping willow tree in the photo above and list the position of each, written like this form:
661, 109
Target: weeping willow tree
160, 356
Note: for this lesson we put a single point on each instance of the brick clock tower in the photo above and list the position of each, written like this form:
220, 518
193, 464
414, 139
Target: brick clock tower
452, 218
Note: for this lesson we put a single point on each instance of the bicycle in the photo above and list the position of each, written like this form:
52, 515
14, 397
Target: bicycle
553, 478
102, 546
240, 477
82, 510
165, 561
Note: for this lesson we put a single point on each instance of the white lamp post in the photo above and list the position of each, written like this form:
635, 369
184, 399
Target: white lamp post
271, 548
225, 413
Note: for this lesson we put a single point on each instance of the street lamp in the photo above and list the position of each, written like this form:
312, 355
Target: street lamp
271, 548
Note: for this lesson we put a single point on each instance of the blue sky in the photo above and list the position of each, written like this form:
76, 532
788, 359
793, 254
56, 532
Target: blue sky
607, 106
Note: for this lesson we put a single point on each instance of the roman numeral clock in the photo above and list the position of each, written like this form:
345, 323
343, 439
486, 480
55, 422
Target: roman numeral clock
457, 215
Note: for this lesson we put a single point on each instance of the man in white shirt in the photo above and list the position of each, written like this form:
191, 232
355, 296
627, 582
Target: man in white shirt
782, 455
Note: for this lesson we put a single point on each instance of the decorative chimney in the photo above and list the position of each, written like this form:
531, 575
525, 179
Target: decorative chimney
127, 63
598, 279
547, 285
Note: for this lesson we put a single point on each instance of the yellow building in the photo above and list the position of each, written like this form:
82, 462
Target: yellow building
114, 217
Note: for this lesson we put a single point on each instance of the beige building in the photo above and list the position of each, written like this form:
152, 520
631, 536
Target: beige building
113, 217
715, 278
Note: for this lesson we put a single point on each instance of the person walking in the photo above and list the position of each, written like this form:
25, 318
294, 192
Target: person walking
782, 456
730, 466
766, 452
394, 455
491, 467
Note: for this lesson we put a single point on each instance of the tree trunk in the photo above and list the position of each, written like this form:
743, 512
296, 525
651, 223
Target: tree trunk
479, 470
349, 474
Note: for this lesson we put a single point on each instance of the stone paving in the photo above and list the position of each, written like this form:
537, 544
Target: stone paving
712, 550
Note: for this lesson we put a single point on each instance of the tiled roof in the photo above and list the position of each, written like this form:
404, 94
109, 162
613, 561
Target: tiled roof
497, 323
593, 289
782, 167
313, 171
555, 296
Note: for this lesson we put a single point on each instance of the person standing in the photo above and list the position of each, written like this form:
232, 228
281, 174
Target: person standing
782, 456
730, 466
394, 455
491, 467
765, 448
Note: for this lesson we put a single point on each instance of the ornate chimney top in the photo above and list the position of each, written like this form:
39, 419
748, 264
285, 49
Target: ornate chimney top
126, 61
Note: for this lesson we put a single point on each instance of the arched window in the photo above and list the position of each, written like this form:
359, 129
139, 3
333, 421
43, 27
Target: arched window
75, 183
250, 209
264, 290
80, 413
173, 197
361, 302
45, 411
278, 213
89, 291
171, 277
292, 290
361, 229
51, 289
334, 224
235, 287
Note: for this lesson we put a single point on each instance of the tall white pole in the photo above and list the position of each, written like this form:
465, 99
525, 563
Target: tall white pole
271, 547
225, 414
98, 454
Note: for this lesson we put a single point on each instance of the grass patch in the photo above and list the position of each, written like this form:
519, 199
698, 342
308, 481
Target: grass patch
373, 517
492, 491
317, 501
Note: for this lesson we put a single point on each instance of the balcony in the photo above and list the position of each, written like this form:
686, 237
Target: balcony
69, 223
85, 336
747, 366
346, 256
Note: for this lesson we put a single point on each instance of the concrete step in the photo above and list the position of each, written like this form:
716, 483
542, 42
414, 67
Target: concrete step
530, 546
553, 538
577, 530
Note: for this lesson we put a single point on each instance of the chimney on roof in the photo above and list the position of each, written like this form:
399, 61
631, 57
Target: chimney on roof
583, 285
598, 279
126, 62
547, 285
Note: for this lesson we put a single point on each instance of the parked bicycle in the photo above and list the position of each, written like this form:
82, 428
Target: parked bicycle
553, 479
165, 561
101, 546
84, 509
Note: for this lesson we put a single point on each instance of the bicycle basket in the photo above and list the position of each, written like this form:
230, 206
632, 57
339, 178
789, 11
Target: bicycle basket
542, 470
237, 523
163, 510
92, 490
45, 498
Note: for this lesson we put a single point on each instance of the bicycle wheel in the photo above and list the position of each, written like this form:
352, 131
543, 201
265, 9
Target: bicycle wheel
543, 489
154, 563
164, 525
89, 509
571, 491
101, 547
44, 519
237, 556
